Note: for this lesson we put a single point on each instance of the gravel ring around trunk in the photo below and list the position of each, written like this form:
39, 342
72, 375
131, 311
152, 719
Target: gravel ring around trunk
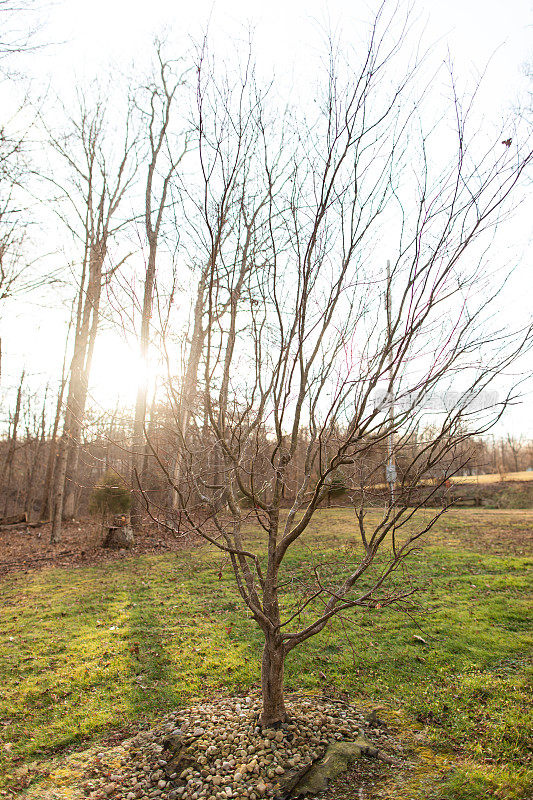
217, 750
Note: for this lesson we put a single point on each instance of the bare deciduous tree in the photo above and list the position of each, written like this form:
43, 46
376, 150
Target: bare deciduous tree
298, 347
19, 24
46, 497
223, 232
101, 174
7, 469
159, 101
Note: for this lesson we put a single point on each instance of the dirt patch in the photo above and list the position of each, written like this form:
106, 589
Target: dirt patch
24, 549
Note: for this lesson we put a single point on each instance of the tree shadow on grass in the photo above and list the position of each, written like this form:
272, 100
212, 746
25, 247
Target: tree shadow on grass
153, 688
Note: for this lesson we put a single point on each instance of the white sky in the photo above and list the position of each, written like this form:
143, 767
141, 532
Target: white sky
101, 30
102, 36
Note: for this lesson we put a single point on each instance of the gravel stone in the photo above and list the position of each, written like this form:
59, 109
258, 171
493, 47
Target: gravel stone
216, 751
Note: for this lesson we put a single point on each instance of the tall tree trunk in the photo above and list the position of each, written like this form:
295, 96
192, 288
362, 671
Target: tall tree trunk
66, 483
160, 99
81, 383
49, 477
71, 429
59, 481
138, 442
189, 387
10, 457
39, 444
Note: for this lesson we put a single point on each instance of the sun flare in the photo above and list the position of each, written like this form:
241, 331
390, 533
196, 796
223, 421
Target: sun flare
119, 371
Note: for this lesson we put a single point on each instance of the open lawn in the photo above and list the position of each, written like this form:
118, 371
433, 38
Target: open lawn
86, 651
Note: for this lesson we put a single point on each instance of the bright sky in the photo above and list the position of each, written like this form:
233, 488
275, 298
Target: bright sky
119, 30
104, 36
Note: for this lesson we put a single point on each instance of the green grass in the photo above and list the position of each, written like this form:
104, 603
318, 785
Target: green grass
88, 650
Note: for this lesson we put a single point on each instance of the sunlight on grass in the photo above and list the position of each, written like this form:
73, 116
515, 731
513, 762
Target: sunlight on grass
85, 651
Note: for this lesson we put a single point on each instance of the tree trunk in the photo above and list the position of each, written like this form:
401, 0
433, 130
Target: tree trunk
189, 389
49, 477
8, 466
138, 444
274, 711
30, 486
71, 481
160, 98
59, 481
68, 455
81, 381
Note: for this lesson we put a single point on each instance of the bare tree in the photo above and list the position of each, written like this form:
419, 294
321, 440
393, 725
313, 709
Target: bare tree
101, 173
156, 106
298, 347
223, 231
37, 441
513, 446
185, 400
19, 24
13, 229
46, 497
7, 470
14, 171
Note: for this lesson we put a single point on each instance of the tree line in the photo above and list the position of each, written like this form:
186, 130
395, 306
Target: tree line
28, 453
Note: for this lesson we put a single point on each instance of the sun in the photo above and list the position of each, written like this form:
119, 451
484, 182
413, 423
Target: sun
118, 372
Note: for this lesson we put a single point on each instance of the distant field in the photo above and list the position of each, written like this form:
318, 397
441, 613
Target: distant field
89, 650
494, 477
480, 480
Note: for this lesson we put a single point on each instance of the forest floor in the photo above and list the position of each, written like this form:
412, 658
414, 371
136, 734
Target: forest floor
25, 548
94, 647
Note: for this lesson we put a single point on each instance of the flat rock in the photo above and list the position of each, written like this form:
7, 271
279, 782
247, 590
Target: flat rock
338, 758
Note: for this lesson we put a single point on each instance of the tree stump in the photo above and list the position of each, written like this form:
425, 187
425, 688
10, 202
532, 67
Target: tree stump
118, 537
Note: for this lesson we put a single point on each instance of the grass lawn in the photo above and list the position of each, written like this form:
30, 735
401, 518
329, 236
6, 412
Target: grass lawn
89, 650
